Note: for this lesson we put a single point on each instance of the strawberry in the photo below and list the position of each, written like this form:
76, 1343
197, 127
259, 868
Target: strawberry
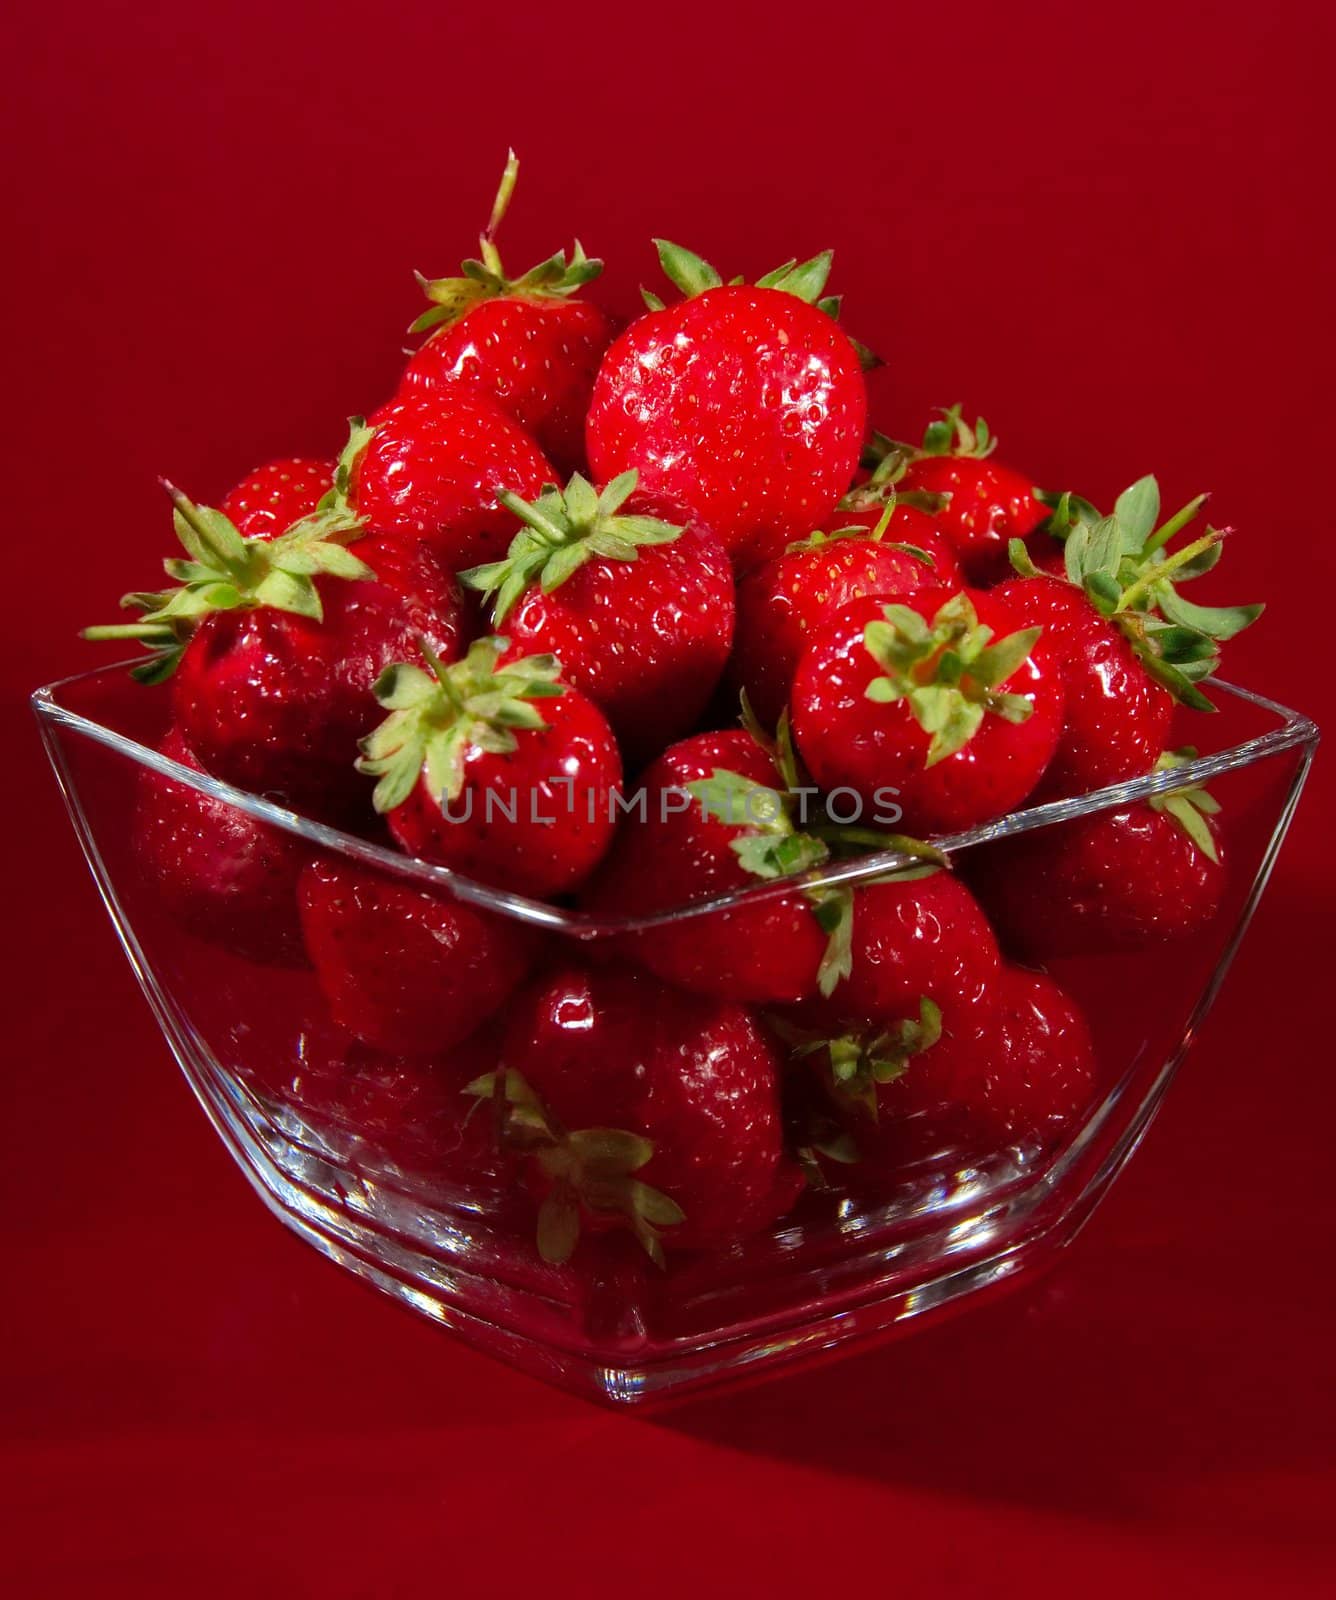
432, 470
411, 1109
275, 644
1042, 1075
525, 343
681, 848
639, 610
874, 551
1016, 1069
404, 970
1115, 715
224, 875
1121, 565
641, 1107
1140, 875
743, 405
932, 696
986, 504
474, 776
720, 812
276, 495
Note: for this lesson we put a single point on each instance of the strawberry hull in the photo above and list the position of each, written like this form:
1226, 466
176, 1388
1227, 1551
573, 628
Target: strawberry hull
486, 1105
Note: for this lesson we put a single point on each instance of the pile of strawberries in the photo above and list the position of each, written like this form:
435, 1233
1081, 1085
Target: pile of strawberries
432, 642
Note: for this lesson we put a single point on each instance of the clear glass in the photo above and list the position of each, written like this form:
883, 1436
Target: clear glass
383, 1195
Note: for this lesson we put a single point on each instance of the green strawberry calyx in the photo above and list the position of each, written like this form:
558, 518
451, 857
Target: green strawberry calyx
589, 1170
859, 1063
484, 277
1123, 565
948, 434
779, 836
225, 572
820, 538
438, 716
562, 529
1189, 807
805, 280
947, 672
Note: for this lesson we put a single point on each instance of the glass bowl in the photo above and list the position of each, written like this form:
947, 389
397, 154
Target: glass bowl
386, 1164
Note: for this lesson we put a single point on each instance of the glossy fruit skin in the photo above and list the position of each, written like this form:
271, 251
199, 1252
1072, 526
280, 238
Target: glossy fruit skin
432, 471
1042, 1077
274, 496
782, 601
613, 1048
559, 781
646, 639
1116, 717
760, 954
403, 970
223, 875
1117, 880
851, 742
912, 938
745, 406
990, 505
276, 703
533, 358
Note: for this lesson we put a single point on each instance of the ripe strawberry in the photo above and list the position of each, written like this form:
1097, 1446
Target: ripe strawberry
222, 874
638, 610
1145, 874
474, 776
275, 644
524, 343
411, 1109
986, 504
745, 406
1115, 716
1122, 567
1017, 1069
276, 495
404, 970
432, 470
1042, 1075
934, 697
857, 553
644, 1108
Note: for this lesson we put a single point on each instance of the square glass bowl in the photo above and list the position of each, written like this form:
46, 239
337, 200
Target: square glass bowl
373, 1162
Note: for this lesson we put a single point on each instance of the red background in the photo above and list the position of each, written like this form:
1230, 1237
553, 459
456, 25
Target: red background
1110, 233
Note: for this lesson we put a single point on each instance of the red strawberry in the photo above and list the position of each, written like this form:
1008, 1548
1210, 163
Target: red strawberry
932, 696
745, 406
858, 553
1121, 567
1115, 716
1042, 1076
276, 495
1017, 1069
432, 471
523, 343
412, 1109
473, 774
224, 875
684, 846
916, 936
404, 970
275, 644
986, 504
638, 610
643, 1108
1142, 875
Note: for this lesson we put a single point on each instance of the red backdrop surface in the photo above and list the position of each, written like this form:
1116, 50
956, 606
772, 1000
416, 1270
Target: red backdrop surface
1110, 231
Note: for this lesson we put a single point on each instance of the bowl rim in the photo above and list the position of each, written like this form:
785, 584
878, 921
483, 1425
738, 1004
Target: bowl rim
1293, 730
